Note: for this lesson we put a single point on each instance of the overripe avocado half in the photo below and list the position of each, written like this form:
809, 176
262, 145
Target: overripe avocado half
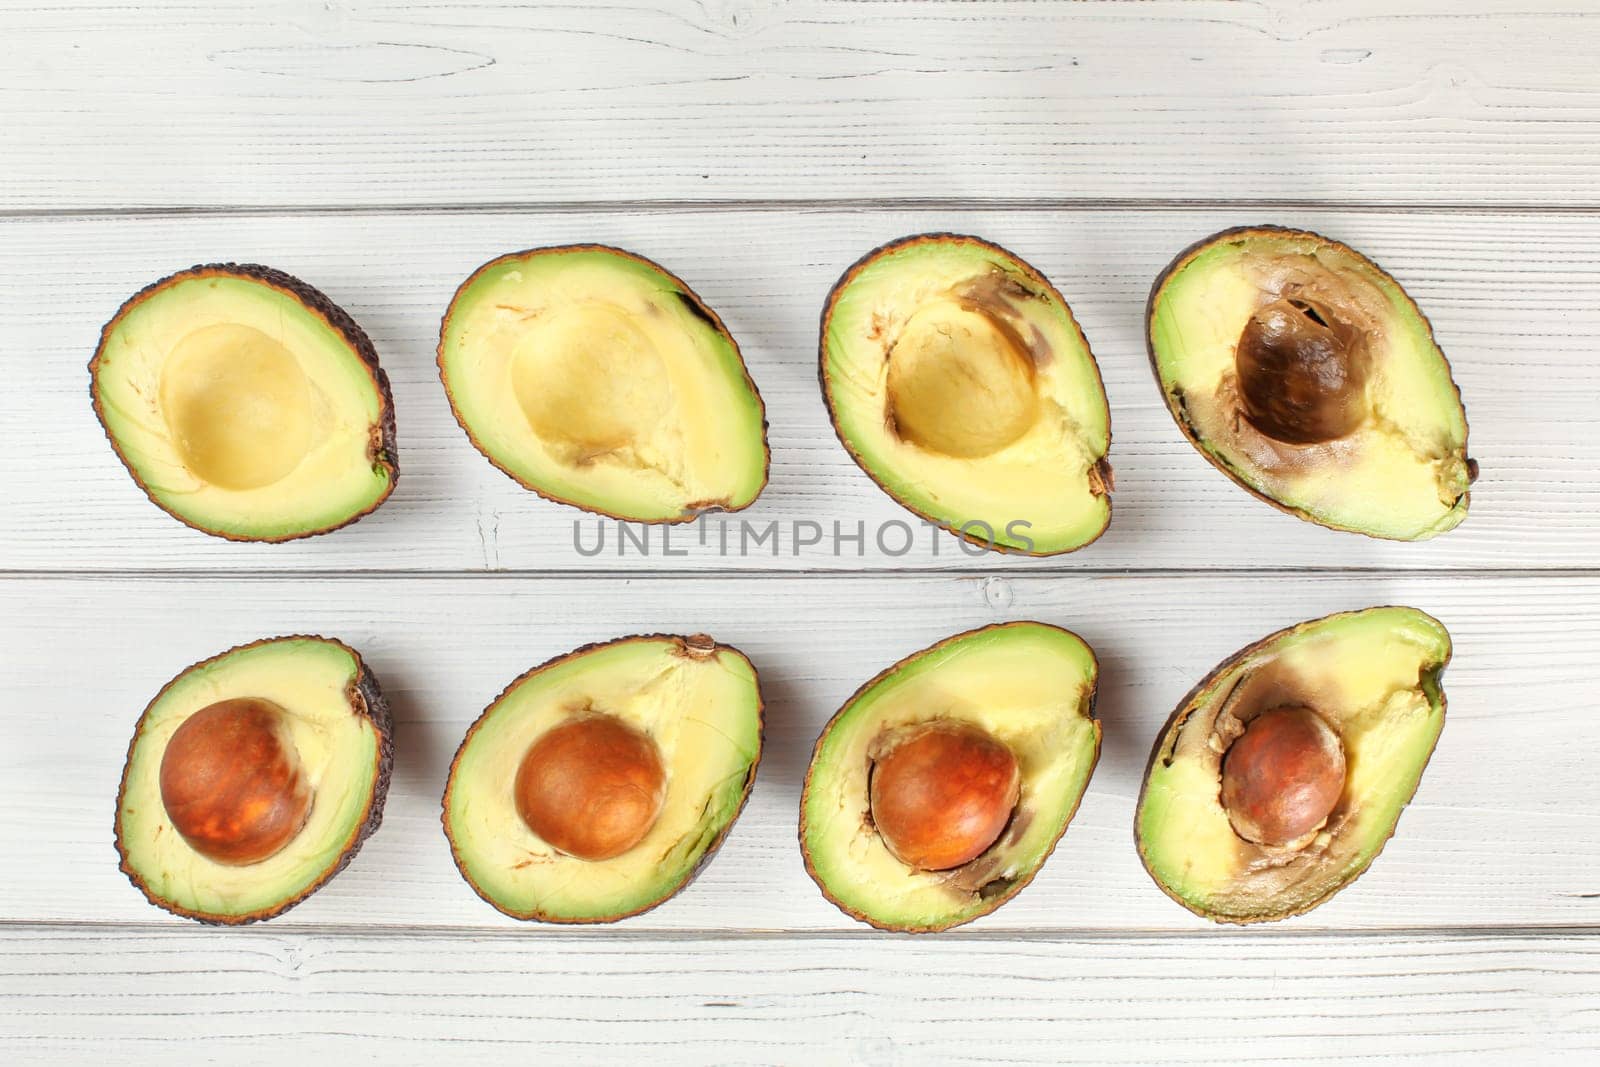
695, 704
1372, 678
327, 737
1026, 685
1305, 373
595, 378
959, 381
246, 404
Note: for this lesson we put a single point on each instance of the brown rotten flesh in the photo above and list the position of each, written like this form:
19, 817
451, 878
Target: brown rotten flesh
232, 782
1282, 777
943, 794
591, 787
1302, 373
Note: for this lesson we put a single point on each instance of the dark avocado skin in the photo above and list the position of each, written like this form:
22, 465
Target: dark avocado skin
383, 451
693, 646
1180, 712
690, 299
1175, 404
366, 700
1103, 467
1020, 883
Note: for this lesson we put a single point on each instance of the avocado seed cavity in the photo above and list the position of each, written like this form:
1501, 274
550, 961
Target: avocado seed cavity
1282, 777
943, 794
238, 406
591, 787
589, 380
958, 382
1302, 373
232, 782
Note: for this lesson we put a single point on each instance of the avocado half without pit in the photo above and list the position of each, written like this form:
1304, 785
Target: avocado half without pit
246, 404
598, 784
253, 778
1282, 774
595, 378
1306, 374
939, 789
958, 379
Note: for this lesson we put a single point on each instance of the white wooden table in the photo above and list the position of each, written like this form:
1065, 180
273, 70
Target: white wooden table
381, 151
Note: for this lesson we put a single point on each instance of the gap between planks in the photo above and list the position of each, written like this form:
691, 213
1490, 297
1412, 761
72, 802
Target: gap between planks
147, 574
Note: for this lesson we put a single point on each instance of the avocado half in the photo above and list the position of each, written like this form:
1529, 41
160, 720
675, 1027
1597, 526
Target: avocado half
246, 404
1370, 683
258, 727
1022, 689
958, 380
634, 757
1303, 371
595, 378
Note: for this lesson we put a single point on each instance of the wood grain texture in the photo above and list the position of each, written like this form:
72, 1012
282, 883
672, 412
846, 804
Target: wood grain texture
342, 102
260, 996
1501, 832
1515, 300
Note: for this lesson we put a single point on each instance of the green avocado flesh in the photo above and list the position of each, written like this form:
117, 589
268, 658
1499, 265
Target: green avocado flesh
336, 723
700, 704
246, 404
1364, 428
960, 382
595, 378
1373, 676
1031, 687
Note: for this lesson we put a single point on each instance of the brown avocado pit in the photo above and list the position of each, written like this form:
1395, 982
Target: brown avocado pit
1282, 777
942, 793
232, 782
1302, 372
591, 787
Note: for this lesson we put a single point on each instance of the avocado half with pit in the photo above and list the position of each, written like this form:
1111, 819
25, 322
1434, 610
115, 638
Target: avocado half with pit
253, 778
598, 784
1305, 373
959, 381
595, 378
1281, 776
246, 404
939, 789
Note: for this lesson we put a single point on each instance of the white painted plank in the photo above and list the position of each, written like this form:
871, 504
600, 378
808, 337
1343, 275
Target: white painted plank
350, 102
1515, 300
1503, 830
261, 996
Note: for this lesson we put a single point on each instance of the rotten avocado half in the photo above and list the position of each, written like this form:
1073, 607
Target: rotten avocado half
253, 778
1281, 776
598, 784
939, 789
246, 404
1306, 374
595, 378
959, 381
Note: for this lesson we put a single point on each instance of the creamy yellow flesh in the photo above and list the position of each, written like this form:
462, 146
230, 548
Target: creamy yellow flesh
1029, 686
703, 712
338, 751
241, 410
585, 375
1403, 474
1363, 672
988, 406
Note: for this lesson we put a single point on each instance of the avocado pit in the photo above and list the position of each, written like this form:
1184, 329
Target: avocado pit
591, 787
232, 781
1302, 372
943, 794
1282, 777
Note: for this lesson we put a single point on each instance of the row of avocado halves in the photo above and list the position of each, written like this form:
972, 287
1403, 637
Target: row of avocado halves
248, 405
597, 784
